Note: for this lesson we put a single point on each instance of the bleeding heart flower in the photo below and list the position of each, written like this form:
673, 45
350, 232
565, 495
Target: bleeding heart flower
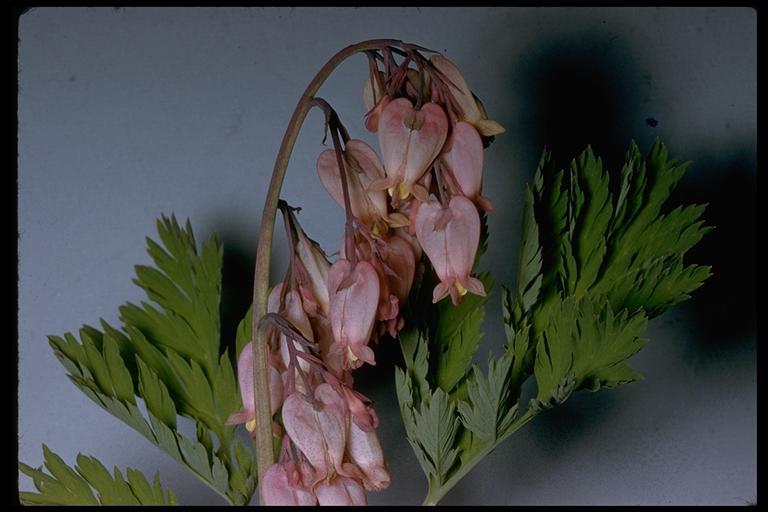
319, 431
341, 491
278, 488
354, 300
462, 156
450, 237
410, 140
363, 167
471, 111
247, 415
365, 451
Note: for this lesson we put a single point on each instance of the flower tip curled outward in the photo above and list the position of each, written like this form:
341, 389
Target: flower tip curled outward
472, 110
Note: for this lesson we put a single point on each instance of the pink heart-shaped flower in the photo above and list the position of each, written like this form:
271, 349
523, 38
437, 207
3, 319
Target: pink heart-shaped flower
462, 157
318, 431
450, 237
354, 301
410, 140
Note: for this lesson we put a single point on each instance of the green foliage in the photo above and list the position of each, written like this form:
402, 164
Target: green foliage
584, 347
596, 262
457, 335
90, 483
168, 356
613, 248
431, 427
488, 412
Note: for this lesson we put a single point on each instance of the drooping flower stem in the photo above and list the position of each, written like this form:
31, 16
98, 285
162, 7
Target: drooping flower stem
263, 430
333, 124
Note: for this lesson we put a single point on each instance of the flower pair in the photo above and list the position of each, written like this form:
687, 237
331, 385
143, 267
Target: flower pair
337, 459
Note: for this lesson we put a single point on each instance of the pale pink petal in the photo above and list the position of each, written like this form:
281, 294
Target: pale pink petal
275, 489
341, 491
365, 450
319, 433
353, 309
245, 381
450, 238
294, 313
398, 256
364, 416
312, 274
463, 158
410, 140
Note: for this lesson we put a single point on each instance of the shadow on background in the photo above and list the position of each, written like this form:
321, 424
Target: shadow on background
577, 91
724, 308
237, 274
237, 287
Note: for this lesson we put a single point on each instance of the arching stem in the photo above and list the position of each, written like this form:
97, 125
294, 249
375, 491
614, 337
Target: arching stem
263, 429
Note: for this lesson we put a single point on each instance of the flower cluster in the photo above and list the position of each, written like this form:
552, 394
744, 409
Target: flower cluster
422, 197
330, 452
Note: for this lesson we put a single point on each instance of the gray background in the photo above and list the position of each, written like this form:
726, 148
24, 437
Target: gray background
128, 113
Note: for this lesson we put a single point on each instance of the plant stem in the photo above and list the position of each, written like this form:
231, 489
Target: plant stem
435, 495
263, 428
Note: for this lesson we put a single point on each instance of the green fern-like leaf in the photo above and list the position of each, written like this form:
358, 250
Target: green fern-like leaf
168, 356
90, 483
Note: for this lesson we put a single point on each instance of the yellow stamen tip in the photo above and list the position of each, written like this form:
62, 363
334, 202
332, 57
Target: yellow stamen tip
250, 425
462, 291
